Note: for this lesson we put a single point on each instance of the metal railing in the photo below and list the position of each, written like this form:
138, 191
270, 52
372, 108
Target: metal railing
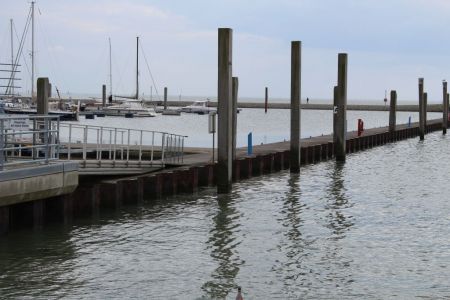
28, 139
102, 146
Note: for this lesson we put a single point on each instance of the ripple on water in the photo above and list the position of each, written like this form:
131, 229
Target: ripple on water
376, 227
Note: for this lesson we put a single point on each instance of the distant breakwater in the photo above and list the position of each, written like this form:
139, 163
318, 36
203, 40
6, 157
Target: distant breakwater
364, 107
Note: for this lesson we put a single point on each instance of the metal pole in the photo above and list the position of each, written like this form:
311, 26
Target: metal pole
110, 69
137, 68
2, 145
12, 58
32, 50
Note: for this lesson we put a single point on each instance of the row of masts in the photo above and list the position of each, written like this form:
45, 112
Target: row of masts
11, 87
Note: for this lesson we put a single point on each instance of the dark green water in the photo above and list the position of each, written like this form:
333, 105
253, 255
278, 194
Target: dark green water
377, 227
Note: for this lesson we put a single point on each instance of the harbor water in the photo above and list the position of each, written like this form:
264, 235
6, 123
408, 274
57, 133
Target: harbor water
376, 227
265, 128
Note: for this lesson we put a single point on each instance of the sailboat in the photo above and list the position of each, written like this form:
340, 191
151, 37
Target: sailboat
132, 106
14, 103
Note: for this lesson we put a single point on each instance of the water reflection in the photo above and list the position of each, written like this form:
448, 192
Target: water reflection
35, 258
295, 266
338, 202
337, 261
222, 243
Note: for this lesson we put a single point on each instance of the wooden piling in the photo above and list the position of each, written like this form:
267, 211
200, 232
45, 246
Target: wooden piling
444, 107
235, 88
42, 96
295, 106
165, 98
421, 111
266, 99
393, 112
425, 108
340, 109
104, 95
224, 110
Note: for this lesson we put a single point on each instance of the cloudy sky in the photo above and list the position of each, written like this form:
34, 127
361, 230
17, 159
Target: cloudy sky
390, 44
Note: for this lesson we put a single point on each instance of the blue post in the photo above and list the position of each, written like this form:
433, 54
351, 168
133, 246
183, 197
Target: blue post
409, 121
249, 144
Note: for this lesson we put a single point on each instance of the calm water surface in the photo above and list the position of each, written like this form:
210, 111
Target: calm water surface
266, 128
377, 227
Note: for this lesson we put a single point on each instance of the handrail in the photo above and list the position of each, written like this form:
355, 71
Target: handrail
44, 138
115, 145
28, 139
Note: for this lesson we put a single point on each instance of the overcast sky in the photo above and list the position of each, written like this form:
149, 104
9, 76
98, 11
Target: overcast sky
390, 44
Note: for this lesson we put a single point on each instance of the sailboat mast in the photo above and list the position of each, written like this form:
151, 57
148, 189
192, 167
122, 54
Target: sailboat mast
12, 57
137, 68
32, 49
110, 69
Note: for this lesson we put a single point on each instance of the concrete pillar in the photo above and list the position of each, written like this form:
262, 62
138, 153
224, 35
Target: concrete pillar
224, 110
266, 100
340, 109
444, 107
421, 111
42, 96
165, 97
425, 108
104, 95
294, 157
234, 117
393, 111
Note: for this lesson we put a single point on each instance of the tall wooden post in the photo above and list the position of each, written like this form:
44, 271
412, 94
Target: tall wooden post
340, 109
444, 108
224, 110
234, 110
104, 95
393, 112
425, 110
165, 98
421, 110
42, 96
294, 156
266, 100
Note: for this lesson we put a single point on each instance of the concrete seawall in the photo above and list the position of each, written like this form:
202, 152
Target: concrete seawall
91, 197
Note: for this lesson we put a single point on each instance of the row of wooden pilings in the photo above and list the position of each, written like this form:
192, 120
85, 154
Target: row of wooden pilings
227, 99
90, 200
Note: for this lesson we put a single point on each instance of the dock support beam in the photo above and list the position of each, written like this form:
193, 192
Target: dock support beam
294, 156
165, 98
340, 109
421, 111
42, 95
224, 110
444, 107
104, 95
393, 112
234, 109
